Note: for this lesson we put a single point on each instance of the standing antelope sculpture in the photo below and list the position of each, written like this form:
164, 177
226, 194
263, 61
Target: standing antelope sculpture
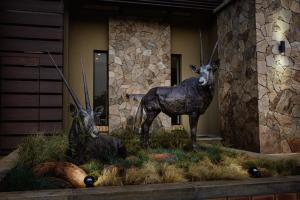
85, 142
191, 97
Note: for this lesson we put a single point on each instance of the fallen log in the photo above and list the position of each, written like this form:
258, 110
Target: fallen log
64, 170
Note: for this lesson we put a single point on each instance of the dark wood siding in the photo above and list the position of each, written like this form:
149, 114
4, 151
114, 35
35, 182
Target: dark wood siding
31, 90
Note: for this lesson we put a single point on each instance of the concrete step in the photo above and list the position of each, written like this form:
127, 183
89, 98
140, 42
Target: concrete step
209, 139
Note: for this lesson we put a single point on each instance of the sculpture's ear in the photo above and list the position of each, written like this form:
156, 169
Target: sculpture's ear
73, 110
195, 69
216, 65
98, 111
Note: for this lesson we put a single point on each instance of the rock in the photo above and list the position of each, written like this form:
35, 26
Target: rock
282, 60
295, 6
269, 29
285, 147
260, 18
296, 99
270, 60
284, 120
285, 4
285, 15
262, 46
297, 76
296, 111
294, 144
118, 61
147, 52
284, 103
283, 26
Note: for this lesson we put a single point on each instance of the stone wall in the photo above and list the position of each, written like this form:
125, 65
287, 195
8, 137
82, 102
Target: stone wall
278, 75
238, 92
139, 59
259, 91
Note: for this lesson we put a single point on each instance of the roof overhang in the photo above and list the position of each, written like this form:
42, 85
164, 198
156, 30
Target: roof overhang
174, 11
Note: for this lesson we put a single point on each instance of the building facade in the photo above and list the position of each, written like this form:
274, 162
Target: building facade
128, 47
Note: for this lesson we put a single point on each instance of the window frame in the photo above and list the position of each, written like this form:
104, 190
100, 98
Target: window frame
179, 74
107, 81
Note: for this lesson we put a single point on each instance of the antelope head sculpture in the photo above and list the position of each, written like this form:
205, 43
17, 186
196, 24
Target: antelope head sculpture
85, 141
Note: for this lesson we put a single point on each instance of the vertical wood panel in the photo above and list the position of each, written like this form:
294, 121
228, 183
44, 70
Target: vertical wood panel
19, 114
20, 128
15, 100
30, 18
31, 90
51, 100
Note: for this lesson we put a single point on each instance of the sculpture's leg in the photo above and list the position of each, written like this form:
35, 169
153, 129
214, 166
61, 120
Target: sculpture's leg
193, 119
150, 116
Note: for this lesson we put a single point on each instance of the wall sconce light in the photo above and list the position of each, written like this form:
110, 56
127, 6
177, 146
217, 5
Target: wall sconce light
281, 47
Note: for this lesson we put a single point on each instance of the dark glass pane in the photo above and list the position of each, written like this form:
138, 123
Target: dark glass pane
100, 87
175, 80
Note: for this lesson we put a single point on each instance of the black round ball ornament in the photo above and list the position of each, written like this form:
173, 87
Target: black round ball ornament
89, 181
254, 172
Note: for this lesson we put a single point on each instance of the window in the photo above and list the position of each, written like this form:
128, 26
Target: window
100, 87
175, 80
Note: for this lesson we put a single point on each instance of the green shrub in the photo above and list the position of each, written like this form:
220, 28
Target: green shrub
21, 178
214, 153
129, 139
170, 139
39, 148
158, 139
92, 167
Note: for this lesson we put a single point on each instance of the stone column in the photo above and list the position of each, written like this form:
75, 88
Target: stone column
139, 59
238, 92
259, 91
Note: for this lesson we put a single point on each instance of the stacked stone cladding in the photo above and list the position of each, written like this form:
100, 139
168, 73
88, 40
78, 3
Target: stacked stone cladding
139, 59
278, 75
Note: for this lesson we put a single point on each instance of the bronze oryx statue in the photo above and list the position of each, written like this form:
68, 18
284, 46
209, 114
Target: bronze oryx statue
191, 97
85, 142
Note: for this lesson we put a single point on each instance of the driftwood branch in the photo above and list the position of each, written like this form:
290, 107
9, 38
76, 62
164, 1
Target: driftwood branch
64, 170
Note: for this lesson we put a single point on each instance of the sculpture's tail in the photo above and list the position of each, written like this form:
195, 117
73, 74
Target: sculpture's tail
138, 118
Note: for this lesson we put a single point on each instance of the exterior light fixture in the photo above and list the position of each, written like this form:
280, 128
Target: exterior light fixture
281, 47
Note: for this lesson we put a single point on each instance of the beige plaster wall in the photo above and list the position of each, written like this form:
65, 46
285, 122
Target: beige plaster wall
84, 36
186, 41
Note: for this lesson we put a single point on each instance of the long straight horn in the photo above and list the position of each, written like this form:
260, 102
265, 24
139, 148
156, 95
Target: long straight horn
72, 93
201, 49
86, 92
213, 52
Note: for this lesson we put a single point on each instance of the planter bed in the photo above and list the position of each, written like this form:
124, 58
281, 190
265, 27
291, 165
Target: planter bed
199, 189
174, 191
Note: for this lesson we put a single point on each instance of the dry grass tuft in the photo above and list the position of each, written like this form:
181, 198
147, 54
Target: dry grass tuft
148, 174
226, 170
109, 177
172, 174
